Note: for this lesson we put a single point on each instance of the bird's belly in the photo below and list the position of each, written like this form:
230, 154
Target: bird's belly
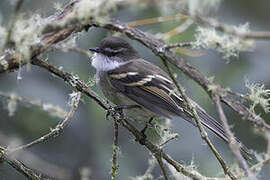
119, 99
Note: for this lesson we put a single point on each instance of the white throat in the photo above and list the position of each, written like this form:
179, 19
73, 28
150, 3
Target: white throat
104, 63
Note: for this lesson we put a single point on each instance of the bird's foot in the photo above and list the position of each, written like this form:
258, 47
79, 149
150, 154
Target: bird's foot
119, 110
142, 140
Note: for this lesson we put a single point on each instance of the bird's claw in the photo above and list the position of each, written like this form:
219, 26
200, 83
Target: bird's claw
119, 110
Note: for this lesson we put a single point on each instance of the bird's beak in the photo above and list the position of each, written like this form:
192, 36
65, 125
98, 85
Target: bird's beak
96, 49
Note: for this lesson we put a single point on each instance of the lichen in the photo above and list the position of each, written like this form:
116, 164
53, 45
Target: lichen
27, 34
3, 62
228, 45
258, 96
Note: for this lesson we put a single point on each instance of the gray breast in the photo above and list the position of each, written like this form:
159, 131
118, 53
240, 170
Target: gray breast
118, 98
107, 89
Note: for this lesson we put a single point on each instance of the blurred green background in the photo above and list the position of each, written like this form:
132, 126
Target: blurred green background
86, 144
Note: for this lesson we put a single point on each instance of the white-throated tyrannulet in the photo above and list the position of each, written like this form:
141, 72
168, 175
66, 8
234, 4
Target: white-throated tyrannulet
127, 79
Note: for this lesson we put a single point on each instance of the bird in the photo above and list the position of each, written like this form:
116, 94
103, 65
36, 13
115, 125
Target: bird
127, 80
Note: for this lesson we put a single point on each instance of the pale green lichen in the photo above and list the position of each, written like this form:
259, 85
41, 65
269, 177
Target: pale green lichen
57, 6
158, 131
54, 111
73, 82
3, 63
211, 79
94, 9
73, 98
167, 7
212, 87
258, 95
228, 45
91, 81
26, 34
178, 175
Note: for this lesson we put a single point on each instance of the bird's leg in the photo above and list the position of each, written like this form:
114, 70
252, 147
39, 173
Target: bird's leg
146, 126
144, 129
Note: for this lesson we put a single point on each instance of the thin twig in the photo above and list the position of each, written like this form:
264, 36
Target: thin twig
242, 96
179, 29
175, 136
115, 151
177, 45
56, 131
159, 158
176, 17
155, 149
51, 109
199, 124
233, 144
74, 49
20, 167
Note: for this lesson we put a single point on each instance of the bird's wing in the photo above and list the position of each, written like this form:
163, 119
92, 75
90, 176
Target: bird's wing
149, 86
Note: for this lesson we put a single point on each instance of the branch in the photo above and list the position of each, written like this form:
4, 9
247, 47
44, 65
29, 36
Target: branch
57, 130
157, 47
29, 173
74, 49
158, 156
57, 32
181, 28
233, 144
115, 151
176, 17
20, 167
51, 109
199, 124
73, 81
177, 45
263, 35
10, 60
155, 149
80, 86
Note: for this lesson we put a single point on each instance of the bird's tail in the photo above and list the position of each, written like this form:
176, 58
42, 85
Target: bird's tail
218, 129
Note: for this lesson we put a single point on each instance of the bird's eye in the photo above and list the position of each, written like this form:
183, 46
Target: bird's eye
112, 52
